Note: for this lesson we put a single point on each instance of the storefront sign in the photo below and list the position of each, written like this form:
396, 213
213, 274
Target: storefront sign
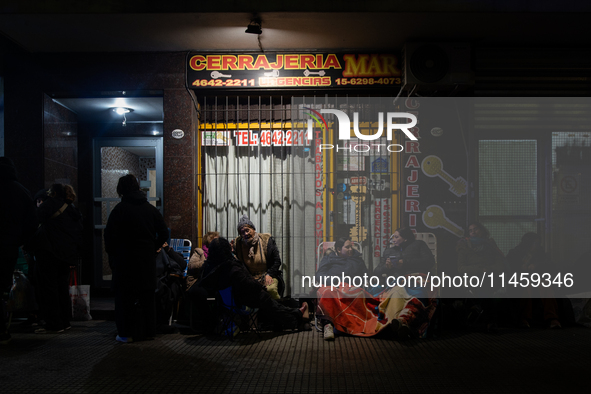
382, 212
215, 138
294, 70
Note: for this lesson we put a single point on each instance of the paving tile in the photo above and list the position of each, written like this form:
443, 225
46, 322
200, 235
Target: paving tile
87, 359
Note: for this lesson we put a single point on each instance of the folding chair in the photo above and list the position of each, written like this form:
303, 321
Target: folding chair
235, 318
183, 247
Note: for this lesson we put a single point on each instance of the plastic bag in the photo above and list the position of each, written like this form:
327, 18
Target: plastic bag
80, 297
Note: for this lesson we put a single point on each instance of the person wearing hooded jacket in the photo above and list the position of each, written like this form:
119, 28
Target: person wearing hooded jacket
17, 223
57, 246
135, 231
222, 270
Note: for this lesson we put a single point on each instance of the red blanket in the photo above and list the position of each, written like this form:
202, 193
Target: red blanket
354, 311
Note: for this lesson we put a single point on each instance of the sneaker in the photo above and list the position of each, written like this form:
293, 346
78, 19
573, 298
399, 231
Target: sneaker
5, 338
328, 332
124, 339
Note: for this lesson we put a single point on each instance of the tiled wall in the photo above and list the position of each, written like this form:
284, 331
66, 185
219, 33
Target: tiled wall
145, 163
60, 130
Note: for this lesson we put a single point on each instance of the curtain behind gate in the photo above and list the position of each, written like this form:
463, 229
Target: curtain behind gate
275, 187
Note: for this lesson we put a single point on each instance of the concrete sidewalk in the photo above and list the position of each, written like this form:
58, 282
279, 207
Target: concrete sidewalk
87, 359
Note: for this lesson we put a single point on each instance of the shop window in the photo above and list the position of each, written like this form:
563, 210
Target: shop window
571, 195
508, 189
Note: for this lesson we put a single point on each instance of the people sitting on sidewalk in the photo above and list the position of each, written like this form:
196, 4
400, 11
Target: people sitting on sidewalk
222, 270
404, 308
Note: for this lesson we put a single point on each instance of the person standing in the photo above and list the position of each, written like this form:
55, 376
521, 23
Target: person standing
135, 231
17, 223
57, 247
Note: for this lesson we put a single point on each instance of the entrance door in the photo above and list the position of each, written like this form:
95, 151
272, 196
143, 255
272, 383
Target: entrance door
112, 159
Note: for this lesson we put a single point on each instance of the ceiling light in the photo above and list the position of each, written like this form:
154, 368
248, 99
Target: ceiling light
122, 110
254, 27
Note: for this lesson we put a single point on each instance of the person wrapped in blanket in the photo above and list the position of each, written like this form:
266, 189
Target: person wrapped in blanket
260, 255
403, 306
222, 270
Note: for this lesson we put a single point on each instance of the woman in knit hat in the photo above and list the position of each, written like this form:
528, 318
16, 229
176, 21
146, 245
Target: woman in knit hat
260, 255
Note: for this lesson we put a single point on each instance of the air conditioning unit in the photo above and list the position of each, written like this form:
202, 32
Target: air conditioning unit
437, 64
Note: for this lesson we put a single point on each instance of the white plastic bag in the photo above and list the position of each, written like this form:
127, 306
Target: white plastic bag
80, 297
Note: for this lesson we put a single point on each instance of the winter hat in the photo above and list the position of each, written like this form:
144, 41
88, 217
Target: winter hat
245, 221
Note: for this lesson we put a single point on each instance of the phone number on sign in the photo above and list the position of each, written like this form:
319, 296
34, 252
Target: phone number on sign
367, 81
219, 82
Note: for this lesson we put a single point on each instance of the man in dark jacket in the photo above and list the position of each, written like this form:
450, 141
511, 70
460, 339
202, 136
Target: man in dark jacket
17, 223
135, 231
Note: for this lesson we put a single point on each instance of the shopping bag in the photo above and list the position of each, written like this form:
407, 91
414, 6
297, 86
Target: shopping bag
80, 297
21, 297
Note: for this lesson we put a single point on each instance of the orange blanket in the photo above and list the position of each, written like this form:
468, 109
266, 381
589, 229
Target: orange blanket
354, 311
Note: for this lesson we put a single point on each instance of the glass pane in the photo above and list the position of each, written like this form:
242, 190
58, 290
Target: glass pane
571, 192
507, 178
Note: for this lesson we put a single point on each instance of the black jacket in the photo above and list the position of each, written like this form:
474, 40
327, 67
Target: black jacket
247, 290
135, 231
416, 258
60, 230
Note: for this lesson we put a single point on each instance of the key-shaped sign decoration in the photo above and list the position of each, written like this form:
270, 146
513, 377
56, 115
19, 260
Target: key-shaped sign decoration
307, 73
432, 167
272, 74
217, 74
434, 217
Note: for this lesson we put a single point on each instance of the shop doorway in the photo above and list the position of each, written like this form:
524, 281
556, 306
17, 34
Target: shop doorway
112, 159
